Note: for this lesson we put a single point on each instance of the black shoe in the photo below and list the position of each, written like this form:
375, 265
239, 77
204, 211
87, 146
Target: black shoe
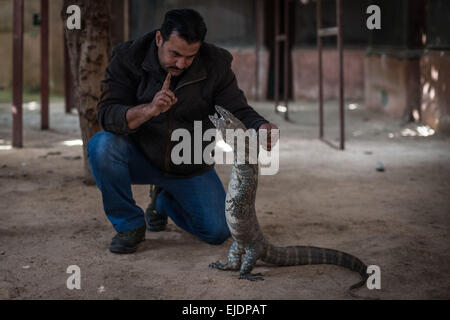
127, 241
155, 221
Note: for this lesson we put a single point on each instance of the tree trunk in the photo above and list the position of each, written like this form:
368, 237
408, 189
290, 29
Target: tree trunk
89, 51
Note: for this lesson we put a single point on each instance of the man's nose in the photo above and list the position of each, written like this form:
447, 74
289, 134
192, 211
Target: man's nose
181, 63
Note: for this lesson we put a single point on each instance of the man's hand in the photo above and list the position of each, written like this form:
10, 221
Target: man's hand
272, 139
163, 99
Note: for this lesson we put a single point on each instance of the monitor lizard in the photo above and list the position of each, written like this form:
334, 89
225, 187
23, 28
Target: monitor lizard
244, 227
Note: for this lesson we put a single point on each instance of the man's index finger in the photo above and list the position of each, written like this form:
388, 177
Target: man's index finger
166, 83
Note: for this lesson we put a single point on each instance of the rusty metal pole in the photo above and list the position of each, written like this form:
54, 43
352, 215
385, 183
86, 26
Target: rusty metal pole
286, 58
319, 50
277, 55
44, 66
126, 20
339, 19
17, 127
259, 14
67, 79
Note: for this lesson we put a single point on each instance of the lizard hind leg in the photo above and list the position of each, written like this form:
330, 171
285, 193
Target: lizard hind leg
251, 256
234, 259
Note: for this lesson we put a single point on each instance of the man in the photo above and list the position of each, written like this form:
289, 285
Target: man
163, 81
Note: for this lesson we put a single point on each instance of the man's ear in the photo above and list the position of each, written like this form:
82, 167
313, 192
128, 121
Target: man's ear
159, 39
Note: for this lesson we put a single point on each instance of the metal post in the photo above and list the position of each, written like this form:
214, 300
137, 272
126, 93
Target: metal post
44, 66
276, 86
67, 79
341, 71
326, 32
126, 20
319, 47
17, 127
286, 58
259, 13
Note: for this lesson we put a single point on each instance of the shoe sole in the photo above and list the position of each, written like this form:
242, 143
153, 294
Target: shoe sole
156, 228
124, 250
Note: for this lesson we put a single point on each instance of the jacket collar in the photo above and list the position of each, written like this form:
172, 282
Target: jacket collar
151, 61
195, 72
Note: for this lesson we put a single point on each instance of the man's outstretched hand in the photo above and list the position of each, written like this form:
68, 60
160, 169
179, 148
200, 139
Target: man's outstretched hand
272, 139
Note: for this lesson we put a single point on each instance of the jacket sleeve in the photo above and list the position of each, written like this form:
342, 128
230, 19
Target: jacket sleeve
118, 95
228, 95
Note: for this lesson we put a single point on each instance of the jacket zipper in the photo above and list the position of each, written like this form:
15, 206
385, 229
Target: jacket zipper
189, 82
166, 159
170, 125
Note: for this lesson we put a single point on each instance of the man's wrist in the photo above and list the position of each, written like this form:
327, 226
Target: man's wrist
149, 110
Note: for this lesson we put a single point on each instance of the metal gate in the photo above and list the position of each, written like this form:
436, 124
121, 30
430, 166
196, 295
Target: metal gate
326, 32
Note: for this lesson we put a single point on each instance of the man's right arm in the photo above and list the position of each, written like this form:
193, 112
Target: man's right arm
118, 96
162, 101
117, 111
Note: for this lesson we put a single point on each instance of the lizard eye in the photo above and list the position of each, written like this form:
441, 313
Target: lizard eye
228, 121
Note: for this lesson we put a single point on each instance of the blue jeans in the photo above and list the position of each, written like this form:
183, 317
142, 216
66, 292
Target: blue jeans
195, 204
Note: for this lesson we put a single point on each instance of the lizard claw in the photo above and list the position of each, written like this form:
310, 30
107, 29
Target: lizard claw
251, 276
218, 265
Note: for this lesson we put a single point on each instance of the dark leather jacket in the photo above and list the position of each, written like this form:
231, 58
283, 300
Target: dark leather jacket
134, 76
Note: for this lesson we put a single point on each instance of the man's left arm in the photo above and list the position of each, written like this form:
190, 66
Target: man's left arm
229, 96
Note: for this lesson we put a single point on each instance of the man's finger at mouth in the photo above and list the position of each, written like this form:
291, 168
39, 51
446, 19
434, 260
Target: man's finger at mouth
166, 83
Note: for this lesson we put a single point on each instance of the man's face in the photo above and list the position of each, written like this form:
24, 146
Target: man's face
175, 55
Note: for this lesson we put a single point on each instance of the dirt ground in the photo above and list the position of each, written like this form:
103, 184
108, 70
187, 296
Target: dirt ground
397, 219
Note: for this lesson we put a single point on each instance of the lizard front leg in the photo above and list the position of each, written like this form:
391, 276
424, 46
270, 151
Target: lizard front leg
234, 259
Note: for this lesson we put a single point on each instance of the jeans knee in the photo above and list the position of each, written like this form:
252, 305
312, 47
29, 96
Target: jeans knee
103, 147
216, 237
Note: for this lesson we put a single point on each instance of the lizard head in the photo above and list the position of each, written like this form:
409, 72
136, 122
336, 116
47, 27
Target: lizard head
224, 120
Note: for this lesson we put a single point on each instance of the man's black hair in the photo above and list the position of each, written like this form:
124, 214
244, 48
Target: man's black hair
188, 23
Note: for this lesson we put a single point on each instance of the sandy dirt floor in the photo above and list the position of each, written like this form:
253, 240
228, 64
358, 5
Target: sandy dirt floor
397, 219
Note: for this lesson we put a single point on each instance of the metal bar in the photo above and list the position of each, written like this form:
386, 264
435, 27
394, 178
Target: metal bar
280, 37
68, 96
259, 15
319, 50
325, 32
126, 20
286, 59
17, 127
276, 55
44, 66
339, 18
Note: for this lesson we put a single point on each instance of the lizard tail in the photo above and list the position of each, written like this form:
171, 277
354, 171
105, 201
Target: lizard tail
304, 255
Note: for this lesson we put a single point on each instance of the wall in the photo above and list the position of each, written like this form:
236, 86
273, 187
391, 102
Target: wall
305, 75
392, 82
31, 42
435, 67
392, 85
244, 66
435, 90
